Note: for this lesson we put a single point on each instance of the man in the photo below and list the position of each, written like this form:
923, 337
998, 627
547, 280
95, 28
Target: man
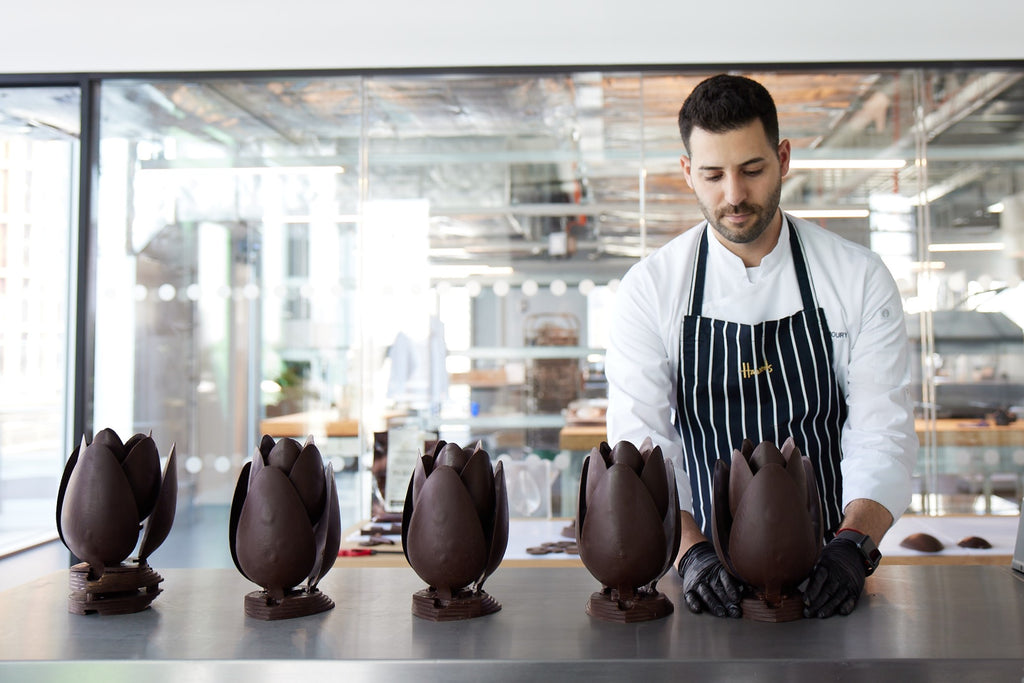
756, 324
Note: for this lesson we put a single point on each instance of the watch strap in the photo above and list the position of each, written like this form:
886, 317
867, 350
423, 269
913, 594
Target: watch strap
868, 550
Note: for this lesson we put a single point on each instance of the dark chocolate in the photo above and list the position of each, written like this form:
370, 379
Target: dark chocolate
627, 529
455, 531
766, 525
922, 542
109, 492
285, 528
974, 542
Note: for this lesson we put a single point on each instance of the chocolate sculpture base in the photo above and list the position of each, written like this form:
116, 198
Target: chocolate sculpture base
789, 608
606, 605
124, 589
299, 603
464, 605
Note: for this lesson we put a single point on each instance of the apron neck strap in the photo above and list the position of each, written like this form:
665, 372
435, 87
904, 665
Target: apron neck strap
699, 269
799, 266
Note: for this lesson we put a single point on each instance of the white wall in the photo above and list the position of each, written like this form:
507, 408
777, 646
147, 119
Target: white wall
203, 35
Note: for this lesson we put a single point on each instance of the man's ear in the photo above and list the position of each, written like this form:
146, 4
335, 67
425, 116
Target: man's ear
784, 156
685, 162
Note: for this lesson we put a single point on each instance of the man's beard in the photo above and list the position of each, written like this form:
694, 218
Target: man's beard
764, 214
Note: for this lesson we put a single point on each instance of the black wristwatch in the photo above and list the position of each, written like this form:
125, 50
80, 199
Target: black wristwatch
868, 549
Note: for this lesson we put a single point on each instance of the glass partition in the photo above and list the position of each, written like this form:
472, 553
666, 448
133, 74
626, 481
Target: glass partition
227, 271
386, 260
39, 161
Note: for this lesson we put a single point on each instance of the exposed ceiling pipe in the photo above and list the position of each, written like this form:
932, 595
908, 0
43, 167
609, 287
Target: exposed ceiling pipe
970, 98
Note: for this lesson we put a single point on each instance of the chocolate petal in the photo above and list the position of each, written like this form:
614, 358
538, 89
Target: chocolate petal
671, 524
334, 533
498, 535
479, 482
142, 467
813, 502
160, 521
766, 452
653, 477
266, 445
69, 467
596, 467
258, 463
581, 499
99, 517
452, 455
625, 453
795, 466
740, 477
237, 501
327, 531
134, 440
424, 466
445, 543
109, 438
284, 454
771, 544
274, 540
721, 514
747, 448
409, 506
622, 542
307, 476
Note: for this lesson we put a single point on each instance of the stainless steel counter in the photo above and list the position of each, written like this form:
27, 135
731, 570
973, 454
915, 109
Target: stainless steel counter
931, 623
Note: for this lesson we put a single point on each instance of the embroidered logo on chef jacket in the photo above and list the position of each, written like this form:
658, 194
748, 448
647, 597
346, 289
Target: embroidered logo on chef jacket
764, 382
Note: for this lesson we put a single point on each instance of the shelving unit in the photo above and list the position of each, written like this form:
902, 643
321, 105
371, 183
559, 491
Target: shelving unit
502, 388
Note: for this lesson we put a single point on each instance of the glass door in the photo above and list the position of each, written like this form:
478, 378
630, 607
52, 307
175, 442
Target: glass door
39, 161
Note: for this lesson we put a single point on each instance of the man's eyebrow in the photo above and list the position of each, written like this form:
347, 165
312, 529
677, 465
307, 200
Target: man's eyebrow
748, 162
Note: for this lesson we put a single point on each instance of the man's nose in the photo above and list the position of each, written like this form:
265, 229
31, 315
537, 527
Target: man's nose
735, 190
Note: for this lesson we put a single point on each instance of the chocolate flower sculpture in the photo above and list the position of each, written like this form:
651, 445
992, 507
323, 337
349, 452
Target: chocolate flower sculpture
627, 528
455, 530
108, 490
766, 523
285, 527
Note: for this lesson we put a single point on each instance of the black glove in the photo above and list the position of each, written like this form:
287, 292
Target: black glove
837, 580
706, 583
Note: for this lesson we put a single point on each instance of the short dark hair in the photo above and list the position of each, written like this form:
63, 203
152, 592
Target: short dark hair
725, 102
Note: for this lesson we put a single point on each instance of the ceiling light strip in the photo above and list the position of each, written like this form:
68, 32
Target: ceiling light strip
829, 213
966, 246
841, 164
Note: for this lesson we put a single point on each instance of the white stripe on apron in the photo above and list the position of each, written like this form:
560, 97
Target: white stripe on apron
764, 382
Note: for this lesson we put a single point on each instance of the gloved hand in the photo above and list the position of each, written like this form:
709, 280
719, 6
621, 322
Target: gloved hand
706, 583
836, 581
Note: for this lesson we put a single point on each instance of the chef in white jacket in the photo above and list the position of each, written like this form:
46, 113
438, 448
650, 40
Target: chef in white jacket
755, 324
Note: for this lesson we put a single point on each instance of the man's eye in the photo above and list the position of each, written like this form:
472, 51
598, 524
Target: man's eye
754, 172
712, 178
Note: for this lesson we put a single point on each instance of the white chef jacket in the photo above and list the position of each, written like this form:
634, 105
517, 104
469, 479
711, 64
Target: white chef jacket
869, 340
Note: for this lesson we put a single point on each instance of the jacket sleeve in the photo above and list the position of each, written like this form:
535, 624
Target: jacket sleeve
641, 372
879, 441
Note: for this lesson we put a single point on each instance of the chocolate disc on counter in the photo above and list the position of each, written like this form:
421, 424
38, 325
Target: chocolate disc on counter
974, 542
925, 543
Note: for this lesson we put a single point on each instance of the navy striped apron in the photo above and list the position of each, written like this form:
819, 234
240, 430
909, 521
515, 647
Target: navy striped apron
764, 382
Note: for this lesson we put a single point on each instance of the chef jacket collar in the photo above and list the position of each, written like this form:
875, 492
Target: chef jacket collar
731, 266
